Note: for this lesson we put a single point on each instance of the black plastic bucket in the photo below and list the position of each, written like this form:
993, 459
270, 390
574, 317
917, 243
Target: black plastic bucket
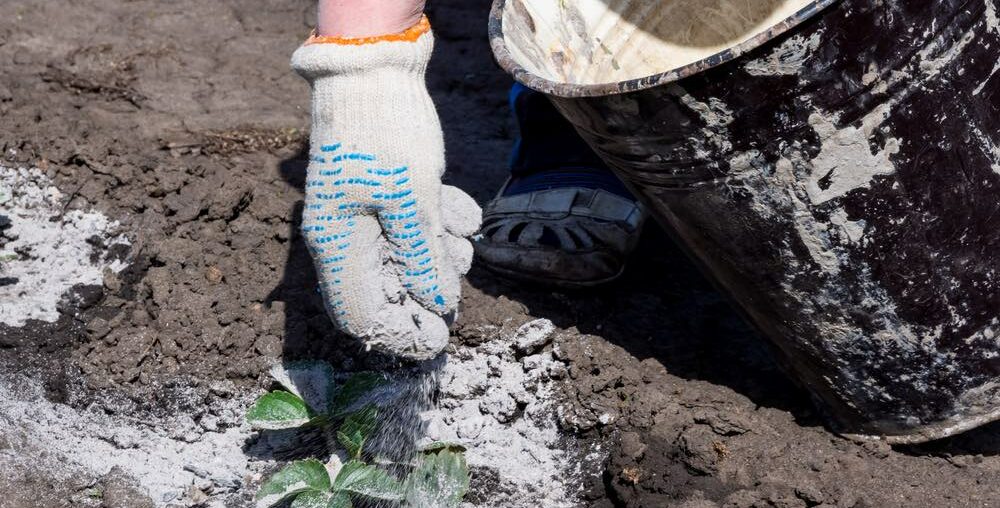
837, 173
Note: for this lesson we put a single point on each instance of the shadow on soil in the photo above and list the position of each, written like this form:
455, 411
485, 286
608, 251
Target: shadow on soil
663, 309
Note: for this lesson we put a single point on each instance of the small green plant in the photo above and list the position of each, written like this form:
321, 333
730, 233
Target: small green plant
440, 479
95, 493
439, 476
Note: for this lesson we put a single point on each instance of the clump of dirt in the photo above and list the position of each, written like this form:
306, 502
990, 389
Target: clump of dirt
244, 140
184, 124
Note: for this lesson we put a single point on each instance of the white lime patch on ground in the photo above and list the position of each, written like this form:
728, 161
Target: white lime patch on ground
45, 251
169, 458
483, 391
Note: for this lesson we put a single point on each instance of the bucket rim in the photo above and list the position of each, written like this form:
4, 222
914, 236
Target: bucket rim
570, 90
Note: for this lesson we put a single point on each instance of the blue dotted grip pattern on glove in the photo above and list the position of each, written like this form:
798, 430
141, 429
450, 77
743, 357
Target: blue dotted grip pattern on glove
389, 197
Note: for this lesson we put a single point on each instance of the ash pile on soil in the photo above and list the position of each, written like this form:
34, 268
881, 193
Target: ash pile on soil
46, 250
499, 399
176, 461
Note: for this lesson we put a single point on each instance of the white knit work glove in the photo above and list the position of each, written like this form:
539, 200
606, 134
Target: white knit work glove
388, 239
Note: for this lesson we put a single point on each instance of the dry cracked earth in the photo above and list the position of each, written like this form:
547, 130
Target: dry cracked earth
183, 121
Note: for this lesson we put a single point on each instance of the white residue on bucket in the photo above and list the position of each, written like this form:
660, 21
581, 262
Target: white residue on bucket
44, 250
786, 59
846, 161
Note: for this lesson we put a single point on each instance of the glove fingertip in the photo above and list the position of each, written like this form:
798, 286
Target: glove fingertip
460, 253
462, 216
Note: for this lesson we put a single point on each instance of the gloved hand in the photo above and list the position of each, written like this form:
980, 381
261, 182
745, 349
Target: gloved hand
388, 240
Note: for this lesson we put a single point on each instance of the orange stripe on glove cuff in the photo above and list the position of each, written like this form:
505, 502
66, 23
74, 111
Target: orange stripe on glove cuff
409, 35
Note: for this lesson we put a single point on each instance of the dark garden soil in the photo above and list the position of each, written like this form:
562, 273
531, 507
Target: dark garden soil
183, 121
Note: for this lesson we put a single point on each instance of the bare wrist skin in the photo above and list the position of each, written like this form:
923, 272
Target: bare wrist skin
367, 18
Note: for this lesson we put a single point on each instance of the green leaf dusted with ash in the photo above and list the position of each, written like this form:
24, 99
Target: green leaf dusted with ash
440, 480
298, 477
279, 410
369, 482
356, 387
340, 500
357, 428
312, 381
437, 446
316, 499
311, 499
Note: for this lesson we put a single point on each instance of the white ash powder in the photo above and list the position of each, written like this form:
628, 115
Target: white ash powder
502, 408
43, 251
166, 457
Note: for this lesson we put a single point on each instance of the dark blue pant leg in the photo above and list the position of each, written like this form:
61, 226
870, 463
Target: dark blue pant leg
549, 153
